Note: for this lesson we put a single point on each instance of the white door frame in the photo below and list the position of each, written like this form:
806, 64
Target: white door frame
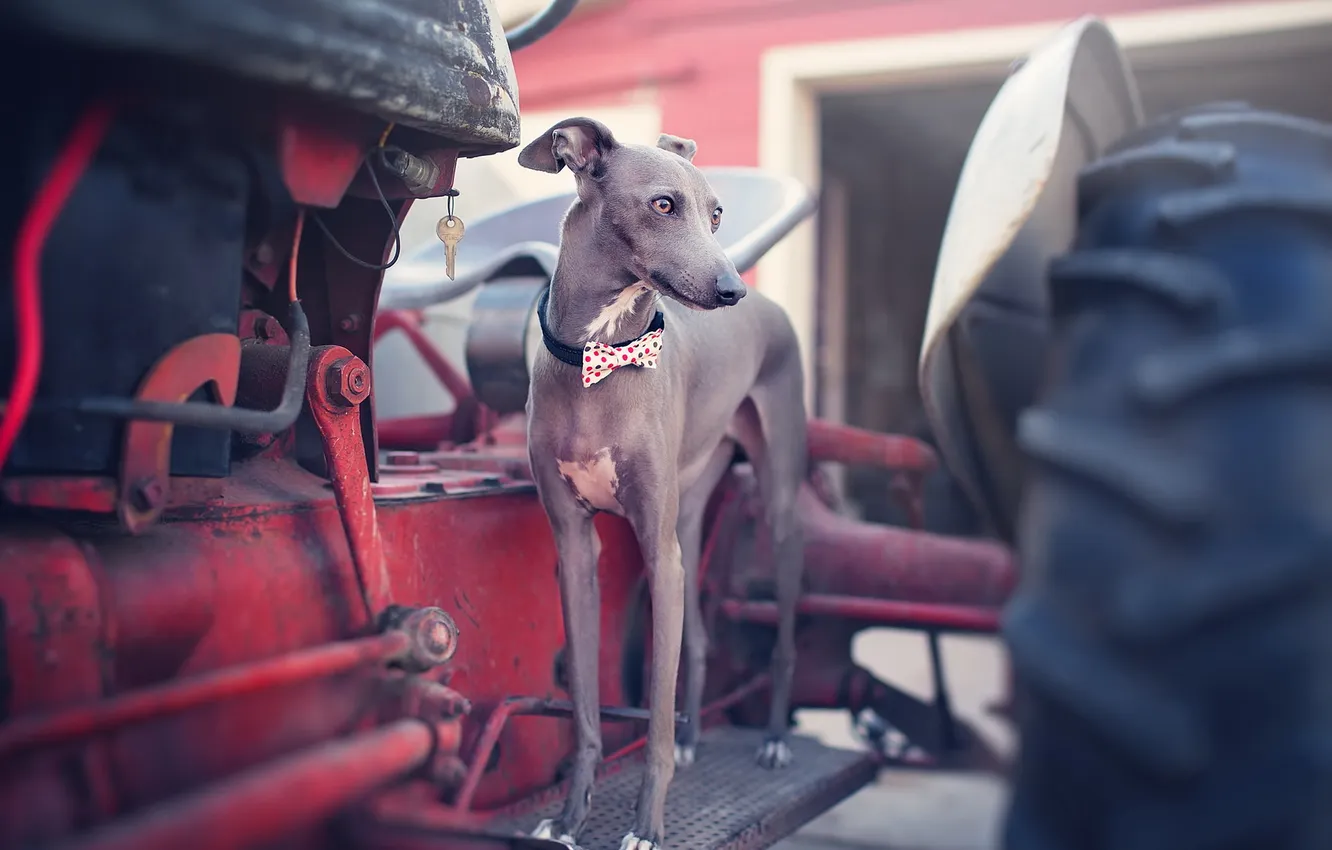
792, 78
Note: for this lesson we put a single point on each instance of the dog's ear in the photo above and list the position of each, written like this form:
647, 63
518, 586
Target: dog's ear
684, 147
579, 143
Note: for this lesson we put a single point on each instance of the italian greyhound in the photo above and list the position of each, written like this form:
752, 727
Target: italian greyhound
636, 407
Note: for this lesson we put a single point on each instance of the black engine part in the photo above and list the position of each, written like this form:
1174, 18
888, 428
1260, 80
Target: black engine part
440, 67
146, 253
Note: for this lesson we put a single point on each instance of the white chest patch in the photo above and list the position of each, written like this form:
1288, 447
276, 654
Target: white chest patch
606, 323
594, 481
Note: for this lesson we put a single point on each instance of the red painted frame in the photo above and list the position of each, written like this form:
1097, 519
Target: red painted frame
260, 653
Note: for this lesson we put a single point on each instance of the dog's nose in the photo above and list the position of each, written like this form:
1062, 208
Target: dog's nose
730, 288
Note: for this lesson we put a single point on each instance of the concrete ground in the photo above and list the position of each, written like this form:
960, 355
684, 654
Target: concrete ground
909, 810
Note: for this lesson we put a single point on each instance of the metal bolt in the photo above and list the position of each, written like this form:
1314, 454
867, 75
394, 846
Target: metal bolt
434, 637
419, 174
348, 382
350, 323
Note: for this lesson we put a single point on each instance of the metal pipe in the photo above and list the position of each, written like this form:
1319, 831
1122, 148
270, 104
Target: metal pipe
205, 415
540, 25
24, 733
265, 804
609, 713
759, 683
444, 371
880, 562
837, 443
485, 745
884, 612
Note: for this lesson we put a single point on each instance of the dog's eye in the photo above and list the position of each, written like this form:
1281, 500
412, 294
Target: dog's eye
665, 206
716, 217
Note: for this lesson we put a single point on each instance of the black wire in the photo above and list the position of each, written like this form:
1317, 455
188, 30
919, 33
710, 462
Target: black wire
393, 220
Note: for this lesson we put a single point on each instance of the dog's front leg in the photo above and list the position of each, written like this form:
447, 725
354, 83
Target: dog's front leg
580, 596
655, 528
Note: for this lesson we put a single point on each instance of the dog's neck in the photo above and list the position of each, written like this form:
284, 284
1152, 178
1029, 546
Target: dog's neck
592, 300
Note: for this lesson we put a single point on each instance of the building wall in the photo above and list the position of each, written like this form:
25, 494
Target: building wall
698, 60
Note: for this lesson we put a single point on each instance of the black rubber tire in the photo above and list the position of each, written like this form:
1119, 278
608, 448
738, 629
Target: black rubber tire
1172, 633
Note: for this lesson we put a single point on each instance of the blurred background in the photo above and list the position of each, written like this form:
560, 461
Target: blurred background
873, 103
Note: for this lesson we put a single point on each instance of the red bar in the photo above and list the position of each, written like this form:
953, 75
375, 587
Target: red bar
833, 442
416, 433
878, 611
485, 745
849, 558
339, 425
440, 367
265, 804
83, 721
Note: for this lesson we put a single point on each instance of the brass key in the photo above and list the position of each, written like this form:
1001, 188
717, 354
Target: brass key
450, 232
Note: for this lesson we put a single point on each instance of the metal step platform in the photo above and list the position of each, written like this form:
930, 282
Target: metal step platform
725, 801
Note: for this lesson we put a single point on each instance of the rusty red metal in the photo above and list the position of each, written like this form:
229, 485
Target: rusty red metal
417, 433
217, 679
878, 612
93, 495
319, 162
267, 570
211, 360
468, 420
278, 799
408, 323
70, 725
143, 487
338, 383
838, 443
485, 745
262, 327
879, 562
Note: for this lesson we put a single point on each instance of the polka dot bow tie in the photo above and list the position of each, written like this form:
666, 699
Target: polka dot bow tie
599, 359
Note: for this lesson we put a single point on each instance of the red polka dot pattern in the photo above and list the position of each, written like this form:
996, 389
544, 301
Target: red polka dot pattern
599, 359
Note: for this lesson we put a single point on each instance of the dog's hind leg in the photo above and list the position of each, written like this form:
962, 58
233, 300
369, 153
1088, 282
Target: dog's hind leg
689, 527
775, 442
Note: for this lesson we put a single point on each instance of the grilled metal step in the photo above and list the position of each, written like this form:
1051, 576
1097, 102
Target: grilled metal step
725, 801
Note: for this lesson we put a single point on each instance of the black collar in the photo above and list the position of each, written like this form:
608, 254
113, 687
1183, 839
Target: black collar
574, 356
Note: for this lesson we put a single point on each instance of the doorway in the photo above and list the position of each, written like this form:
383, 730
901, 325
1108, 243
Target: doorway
888, 160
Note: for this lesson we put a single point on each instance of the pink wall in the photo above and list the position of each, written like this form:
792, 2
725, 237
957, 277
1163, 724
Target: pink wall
702, 56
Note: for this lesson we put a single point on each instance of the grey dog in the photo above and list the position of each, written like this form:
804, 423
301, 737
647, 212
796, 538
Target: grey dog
636, 407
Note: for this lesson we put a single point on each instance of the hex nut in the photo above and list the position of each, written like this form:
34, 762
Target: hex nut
348, 381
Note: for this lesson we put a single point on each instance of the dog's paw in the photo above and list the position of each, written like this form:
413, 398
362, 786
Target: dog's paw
685, 754
775, 753
633, 842
547, 829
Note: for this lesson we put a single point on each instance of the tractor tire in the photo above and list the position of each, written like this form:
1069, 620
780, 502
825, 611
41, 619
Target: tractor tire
1171, 638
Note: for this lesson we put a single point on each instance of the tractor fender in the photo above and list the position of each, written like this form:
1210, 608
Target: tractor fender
1013, 210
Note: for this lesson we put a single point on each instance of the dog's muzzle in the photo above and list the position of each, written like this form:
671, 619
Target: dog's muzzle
730, 289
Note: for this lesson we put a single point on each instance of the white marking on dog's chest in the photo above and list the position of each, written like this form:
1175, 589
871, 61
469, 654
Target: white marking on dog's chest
607, 321
594, 481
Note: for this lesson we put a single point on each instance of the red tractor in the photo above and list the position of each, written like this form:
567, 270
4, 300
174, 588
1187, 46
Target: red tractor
237, 611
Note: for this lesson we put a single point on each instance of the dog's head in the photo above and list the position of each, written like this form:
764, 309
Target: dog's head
653, 210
